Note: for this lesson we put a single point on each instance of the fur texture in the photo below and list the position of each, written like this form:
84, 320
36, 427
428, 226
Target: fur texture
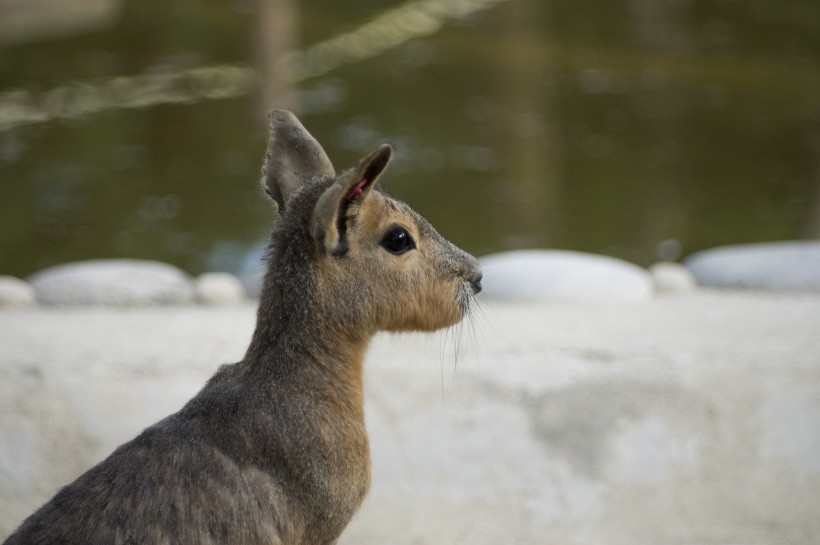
273, 450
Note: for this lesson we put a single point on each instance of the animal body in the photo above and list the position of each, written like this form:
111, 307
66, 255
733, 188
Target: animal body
273, 450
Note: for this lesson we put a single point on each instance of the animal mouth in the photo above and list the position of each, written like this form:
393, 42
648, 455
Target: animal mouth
466, 291
475, 283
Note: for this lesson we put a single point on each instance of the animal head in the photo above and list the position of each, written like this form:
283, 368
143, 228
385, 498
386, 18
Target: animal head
369, 261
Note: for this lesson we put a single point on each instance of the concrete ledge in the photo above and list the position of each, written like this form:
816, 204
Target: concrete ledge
689, 419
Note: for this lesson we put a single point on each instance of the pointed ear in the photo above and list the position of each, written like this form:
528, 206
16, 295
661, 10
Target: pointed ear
330, 215
293, 157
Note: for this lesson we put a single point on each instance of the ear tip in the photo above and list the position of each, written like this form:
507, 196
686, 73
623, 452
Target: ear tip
385, 150
278, 118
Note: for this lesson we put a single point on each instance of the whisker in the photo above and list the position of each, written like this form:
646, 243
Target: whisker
473, 334
480, 323
482, 318
464, 334
457, 348
480, 308
441, 356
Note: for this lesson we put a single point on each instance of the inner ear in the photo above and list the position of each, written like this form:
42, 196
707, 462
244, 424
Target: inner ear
368, 171
330, 214
376, 162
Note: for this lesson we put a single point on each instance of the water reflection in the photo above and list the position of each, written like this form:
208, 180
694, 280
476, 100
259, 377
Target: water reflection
637, 130
37, 20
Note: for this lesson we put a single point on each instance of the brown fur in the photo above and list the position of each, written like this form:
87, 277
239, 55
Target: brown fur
273, 450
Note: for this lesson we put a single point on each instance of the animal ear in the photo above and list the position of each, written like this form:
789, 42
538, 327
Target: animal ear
293, 157
329, 225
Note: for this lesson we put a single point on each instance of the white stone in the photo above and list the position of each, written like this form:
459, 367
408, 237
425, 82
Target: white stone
789, 266
115, 282
670, 277
544, 275
15, 292
219, 288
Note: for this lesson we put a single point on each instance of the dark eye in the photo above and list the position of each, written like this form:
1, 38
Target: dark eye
398, 241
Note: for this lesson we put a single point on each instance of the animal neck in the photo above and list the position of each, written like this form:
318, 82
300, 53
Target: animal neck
293, 343
312, 374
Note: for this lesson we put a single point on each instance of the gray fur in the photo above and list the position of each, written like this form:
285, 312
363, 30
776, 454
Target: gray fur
293, 157
273, 450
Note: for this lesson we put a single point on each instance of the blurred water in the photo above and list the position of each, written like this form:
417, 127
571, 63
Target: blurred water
641, 129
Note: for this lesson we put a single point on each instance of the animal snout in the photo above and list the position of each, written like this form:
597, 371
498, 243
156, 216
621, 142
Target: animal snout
475, 281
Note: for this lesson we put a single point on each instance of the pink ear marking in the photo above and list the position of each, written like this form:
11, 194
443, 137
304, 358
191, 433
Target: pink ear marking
357, 190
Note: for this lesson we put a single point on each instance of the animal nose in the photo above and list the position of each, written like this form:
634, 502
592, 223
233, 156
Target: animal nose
476, 282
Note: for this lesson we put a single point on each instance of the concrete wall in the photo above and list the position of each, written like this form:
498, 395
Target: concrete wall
686, 420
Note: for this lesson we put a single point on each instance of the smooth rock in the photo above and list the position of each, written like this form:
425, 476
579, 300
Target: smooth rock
219, 288
544, 275
114, 282
670, 277
15, 292
789, 266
